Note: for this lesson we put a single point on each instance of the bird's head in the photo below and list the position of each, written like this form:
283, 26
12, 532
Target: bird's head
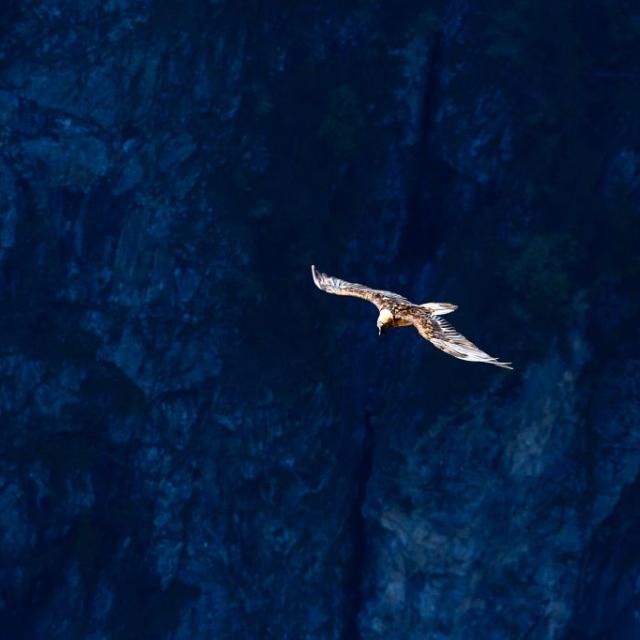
385, 321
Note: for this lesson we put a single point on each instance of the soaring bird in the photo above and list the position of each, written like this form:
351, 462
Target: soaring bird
397, 311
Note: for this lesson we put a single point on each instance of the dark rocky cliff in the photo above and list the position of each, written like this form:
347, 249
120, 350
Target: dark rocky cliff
196, 443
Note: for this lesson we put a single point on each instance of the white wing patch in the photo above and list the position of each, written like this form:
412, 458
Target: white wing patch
439, 308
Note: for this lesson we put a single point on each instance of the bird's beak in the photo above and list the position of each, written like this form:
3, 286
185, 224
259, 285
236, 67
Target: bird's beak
379, 331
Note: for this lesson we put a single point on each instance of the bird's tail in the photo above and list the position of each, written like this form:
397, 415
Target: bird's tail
439, 308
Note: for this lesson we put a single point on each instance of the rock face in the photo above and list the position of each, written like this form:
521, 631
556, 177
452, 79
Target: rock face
196, 442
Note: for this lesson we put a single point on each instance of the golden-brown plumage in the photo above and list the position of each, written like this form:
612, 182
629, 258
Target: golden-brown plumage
397, 311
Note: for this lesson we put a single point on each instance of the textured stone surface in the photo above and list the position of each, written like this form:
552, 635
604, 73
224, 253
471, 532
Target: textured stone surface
196, 442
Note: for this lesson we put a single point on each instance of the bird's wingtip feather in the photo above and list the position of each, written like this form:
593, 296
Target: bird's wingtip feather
315, 274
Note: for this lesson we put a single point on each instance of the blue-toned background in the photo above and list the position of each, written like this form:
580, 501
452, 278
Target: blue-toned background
195, 442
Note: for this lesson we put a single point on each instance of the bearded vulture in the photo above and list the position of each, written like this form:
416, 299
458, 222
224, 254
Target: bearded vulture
397, 311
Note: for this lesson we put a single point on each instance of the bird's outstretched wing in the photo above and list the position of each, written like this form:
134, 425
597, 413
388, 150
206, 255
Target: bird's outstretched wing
343, 288
442, 335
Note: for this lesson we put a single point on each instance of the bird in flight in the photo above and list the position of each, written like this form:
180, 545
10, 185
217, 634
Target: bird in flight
397, 311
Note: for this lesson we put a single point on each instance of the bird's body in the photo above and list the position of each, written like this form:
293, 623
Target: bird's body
397, 311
